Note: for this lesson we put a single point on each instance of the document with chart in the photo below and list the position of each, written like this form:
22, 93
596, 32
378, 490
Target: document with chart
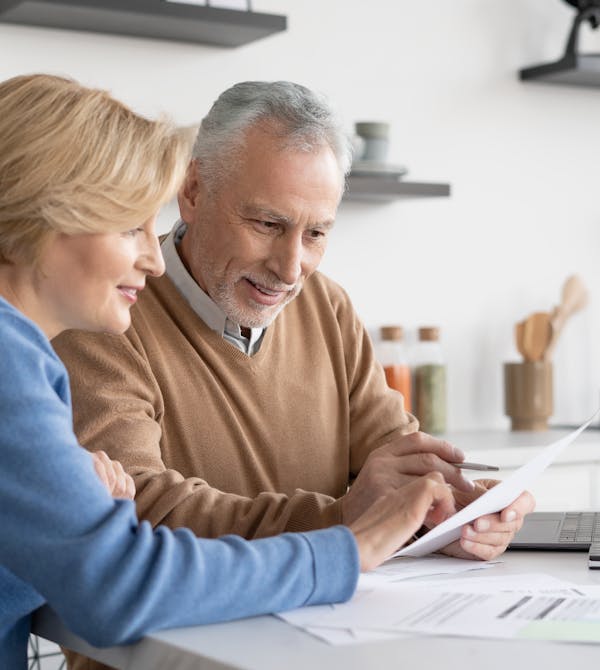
531, 606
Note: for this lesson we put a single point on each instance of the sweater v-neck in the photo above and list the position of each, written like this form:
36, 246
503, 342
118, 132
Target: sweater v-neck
164, 289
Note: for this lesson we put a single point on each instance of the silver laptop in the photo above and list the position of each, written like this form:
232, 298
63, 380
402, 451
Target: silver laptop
561, 531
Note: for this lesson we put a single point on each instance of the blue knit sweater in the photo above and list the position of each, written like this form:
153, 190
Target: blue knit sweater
65, 541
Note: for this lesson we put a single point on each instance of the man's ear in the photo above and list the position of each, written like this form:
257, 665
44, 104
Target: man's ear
189, 192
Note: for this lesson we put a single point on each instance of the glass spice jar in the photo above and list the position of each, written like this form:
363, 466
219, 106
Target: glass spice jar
430, 382
393, 357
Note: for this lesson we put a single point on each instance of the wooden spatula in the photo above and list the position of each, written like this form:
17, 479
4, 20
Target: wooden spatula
519, 337
574, 297
537, 333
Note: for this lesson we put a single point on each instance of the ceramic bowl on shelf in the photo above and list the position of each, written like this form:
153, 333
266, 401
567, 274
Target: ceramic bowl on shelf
372, 140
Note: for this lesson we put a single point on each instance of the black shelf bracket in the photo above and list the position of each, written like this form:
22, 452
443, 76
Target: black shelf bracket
573, 69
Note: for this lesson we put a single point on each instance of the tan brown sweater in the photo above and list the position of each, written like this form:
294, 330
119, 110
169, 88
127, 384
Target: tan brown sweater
225, 443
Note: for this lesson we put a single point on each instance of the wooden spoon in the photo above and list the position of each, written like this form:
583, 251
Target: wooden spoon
574, 297
537, 334
519, 336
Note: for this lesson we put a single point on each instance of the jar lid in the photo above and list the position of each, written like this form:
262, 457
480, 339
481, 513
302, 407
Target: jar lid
429, 334
392, 332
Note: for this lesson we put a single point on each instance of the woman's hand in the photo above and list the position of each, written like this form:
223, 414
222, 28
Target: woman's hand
394, 518
112, 475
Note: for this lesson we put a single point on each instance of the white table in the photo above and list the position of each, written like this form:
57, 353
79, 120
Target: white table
266, 643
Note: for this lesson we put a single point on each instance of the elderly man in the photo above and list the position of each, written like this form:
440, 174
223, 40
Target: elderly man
246, 398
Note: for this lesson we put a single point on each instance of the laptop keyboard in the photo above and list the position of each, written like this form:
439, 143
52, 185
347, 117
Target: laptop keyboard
579, 527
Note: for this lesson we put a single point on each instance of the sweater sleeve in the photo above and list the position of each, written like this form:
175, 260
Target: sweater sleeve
121, 413
109, 578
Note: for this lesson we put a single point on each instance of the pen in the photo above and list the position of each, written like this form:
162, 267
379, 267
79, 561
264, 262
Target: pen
474, 466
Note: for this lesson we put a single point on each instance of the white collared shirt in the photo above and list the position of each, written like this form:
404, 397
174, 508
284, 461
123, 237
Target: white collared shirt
204, 306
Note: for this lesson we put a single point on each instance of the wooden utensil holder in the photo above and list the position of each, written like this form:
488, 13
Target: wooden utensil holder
528, 398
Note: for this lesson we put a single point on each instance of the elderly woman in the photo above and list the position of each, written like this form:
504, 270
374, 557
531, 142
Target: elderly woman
81, 180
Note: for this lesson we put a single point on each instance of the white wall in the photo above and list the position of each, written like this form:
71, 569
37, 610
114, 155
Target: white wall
522, 160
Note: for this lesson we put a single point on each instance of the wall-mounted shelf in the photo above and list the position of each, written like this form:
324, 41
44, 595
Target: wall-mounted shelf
157, 19
382, 188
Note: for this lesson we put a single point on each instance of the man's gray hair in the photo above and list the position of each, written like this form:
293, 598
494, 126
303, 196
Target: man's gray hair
302, 119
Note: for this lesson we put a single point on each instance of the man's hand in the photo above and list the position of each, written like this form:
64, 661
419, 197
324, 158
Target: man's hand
488, 536
112, 475
398, 463
392, 520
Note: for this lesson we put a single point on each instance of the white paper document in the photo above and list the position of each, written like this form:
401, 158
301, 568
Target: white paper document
520, 606
494, 500
472, 613
530, 582
407, 567
395, 570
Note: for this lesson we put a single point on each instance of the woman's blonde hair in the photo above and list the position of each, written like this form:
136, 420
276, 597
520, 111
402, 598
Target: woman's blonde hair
75, 160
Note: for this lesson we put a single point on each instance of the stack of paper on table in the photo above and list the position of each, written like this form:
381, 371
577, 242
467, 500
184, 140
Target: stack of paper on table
533, 606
